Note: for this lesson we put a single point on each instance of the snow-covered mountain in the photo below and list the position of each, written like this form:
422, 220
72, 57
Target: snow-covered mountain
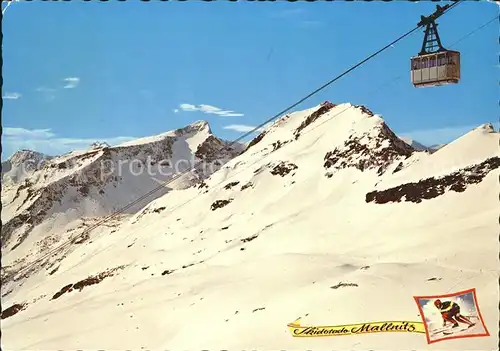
415, 144
45, 193
21, 165
327, 215
436, 147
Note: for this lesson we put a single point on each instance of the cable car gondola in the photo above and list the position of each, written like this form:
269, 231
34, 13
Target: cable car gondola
434, 65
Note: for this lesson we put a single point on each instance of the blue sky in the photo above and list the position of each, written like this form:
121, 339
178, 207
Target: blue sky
76, 72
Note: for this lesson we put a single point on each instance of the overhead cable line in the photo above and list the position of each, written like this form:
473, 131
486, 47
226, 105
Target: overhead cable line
446, 9
497, 18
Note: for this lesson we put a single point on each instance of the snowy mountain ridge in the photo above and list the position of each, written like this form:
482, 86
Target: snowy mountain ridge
22, 164
415, 144
321, 198
101, 180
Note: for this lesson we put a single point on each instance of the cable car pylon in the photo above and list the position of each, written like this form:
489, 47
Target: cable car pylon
431, 36
434, 65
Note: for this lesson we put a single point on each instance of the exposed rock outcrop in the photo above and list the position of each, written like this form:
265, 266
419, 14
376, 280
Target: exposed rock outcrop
433, 187
369, 151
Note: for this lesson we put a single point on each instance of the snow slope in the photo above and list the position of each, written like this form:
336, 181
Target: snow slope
268, 238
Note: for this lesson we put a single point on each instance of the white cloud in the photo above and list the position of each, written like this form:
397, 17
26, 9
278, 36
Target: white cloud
50, 93
241, 128
11, 96
230, 114
209, 109
431, 137
47, 142
71, 82
176, 110
188, 107
27, 133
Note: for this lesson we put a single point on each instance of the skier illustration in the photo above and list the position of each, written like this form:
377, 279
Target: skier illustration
450, 311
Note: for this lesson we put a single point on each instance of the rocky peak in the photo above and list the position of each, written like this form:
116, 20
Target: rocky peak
25, 155
193, 128
99, 145
487, 128
22, 163
377, 149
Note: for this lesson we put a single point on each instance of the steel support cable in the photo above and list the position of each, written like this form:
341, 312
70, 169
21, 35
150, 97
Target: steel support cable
226, 147
497, 17
222, 181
